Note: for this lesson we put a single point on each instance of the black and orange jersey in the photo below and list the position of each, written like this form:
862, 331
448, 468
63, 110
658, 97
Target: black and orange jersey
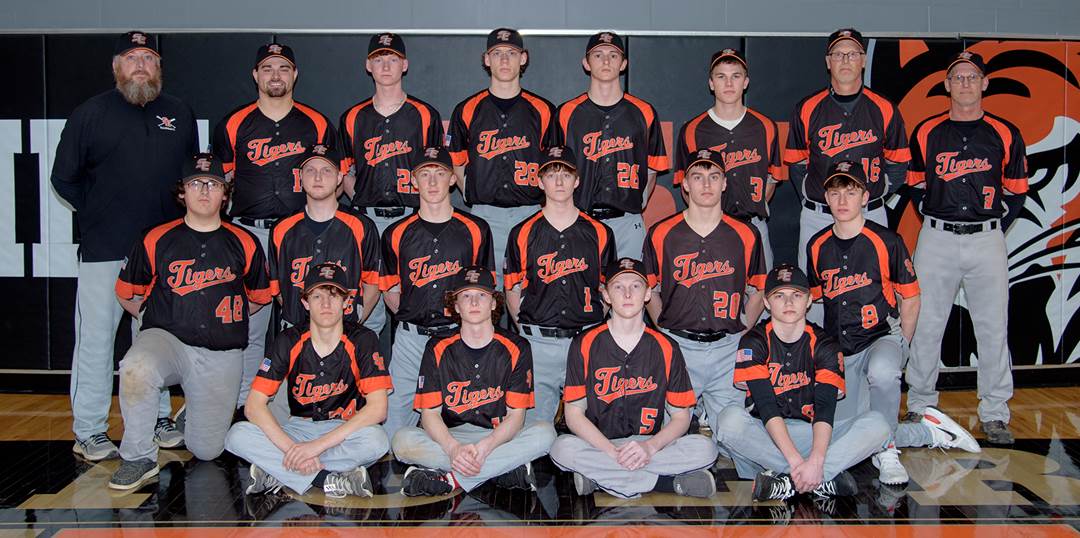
324, 388
475, 386
824, 132
792, 369
751, 153
382, 149
616, 146
500, 148
197, 285
419, 255
558, 271
703, 280
298, 243
626, 393
858, 279
968, 166
263, 155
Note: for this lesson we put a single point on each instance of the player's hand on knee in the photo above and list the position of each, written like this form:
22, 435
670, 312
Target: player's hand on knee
463, 460
300, 453
633, 455
310, 466
483, 450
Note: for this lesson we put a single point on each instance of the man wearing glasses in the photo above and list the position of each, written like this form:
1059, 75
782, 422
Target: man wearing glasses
973, 168
844, 122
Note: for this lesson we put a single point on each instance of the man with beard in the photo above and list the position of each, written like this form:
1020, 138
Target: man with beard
119, 156
261, 143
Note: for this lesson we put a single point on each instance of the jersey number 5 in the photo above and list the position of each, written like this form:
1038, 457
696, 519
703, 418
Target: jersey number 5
648, 420
230, 309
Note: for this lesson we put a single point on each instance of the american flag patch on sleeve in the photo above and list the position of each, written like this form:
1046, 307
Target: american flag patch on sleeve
265, 367
744, 355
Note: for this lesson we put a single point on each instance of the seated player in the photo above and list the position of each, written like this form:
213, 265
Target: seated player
337, 388
472, 393
553, 264
628, 400
192, 283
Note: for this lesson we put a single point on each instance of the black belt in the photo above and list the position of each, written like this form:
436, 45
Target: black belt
440, 330
700, 336
257, 223
824, 208
550, 332
388, 212
603, 213
964, 228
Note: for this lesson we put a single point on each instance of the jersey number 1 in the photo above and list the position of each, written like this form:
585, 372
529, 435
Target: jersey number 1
230, 309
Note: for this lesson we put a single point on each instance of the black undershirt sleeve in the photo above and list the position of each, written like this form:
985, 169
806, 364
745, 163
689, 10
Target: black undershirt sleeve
1015, 203
761, 391
824, 403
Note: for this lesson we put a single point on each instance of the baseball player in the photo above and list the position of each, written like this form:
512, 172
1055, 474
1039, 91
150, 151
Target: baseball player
973, 167
261, 145
617, 140
337, 386
863, 274
322, 233
793, 375
707, 269
419, 253
117, 162
193, 283
628, 398
553, 264
472, 393
744, 137
844, 122
496, 136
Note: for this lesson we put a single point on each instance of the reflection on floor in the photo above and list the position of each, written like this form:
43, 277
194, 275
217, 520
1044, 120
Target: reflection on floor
45, 489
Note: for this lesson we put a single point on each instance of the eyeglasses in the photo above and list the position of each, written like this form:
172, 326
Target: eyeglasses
970, 78
208, 185
849, 56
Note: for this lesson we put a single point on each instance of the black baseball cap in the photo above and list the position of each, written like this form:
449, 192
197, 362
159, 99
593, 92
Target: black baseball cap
135, 39
386, 42
557, 155
624, 265
321, 151
271, 50
474, 277
848, 169
704, 156
325, 274
505, 36
728, 54
605, 38
972, 58
786, 275
434, 155
203, 165
849, 34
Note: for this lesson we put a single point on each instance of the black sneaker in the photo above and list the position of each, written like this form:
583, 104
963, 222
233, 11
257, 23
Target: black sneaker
912, 417
261, 506
770, 486
997, 433
133, 474
841, 486
419, 481
698, 483
519, 478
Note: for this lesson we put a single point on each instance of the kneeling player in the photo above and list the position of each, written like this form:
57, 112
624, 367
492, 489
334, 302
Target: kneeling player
794, 375
337, 397
192, 282
622, 380
472, 393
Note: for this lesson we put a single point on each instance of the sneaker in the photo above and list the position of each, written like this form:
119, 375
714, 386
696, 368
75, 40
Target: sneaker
912, 417
781, 513
947, 433
584, 485
262, 481
180, 418
97, 447
890, 470
770, 486
889, 498
421, 481
841, 486
997, 433
261, 506
133, 474
520, 478
166, 434
695, 484
354, 482
825, 505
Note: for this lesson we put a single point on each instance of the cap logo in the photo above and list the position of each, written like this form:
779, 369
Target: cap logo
555, 152
274, 48
783, 275
319, 149
626, 263
326, 272
138, 39
704, 154
606, 37
203, 164
472, 276
843, 166
726, 52
845, 33
965, 55
386, 39
432, 153
503, 35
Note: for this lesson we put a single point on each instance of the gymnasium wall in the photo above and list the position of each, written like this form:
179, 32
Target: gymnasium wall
1033, 83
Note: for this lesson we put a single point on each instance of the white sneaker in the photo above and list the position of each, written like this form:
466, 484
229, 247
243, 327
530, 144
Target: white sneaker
947, 433
890, 471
